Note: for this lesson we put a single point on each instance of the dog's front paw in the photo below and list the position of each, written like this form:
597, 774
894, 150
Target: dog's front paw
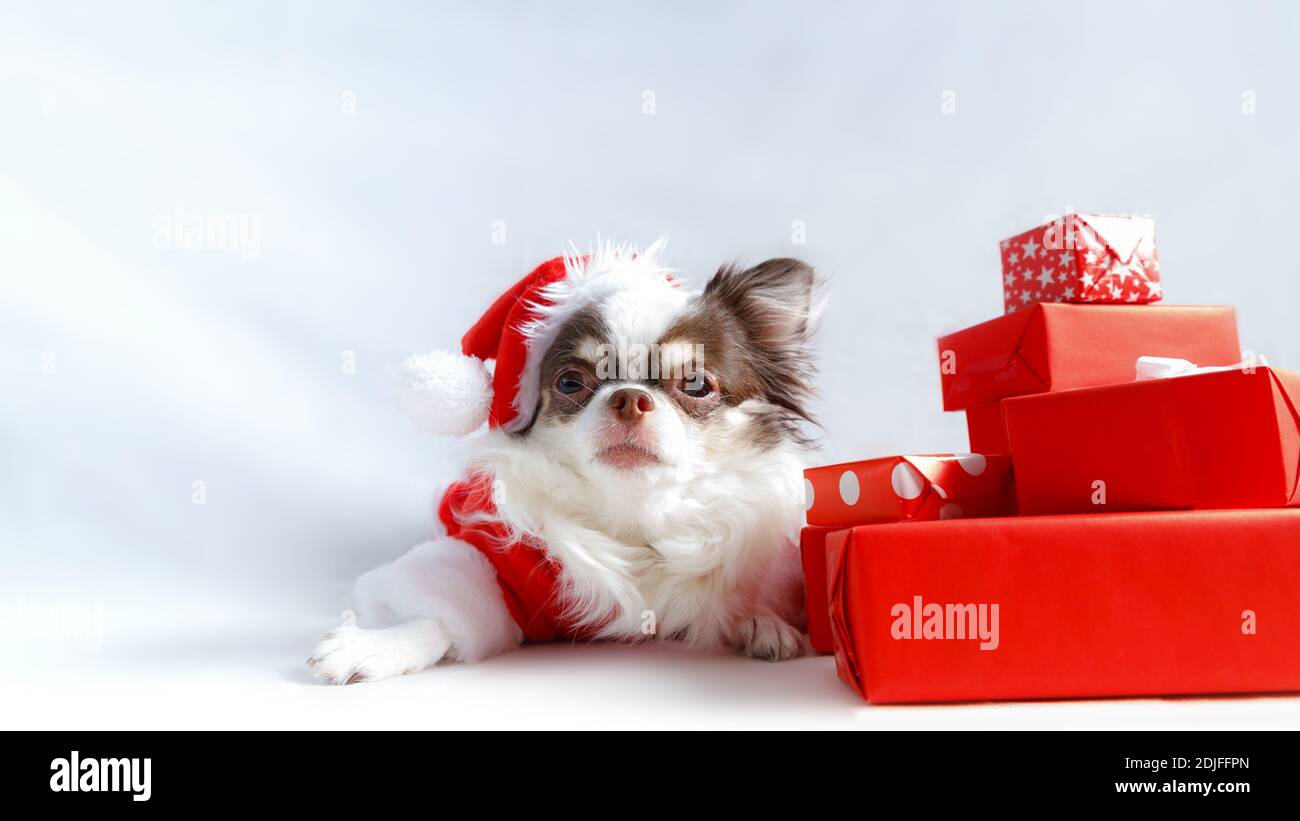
768, 637
349, 654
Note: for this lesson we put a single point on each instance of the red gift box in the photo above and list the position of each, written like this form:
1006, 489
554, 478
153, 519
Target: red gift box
901, 488
1082, 258
1132, 604
984, 426
1227, 439
812, 548
1059, 347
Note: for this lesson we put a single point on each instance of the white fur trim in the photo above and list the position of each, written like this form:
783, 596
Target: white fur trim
448, 580
445, 393
605, 272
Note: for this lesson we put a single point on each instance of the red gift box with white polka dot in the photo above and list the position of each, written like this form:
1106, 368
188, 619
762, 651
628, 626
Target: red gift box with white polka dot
910, 488
1082, 258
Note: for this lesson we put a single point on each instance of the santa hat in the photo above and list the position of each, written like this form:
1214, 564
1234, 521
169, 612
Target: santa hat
454, 394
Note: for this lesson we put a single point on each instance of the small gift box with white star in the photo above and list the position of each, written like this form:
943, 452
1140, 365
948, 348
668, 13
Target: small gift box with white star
1082, 258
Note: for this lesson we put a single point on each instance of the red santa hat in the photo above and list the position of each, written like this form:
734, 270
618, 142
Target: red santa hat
454, 394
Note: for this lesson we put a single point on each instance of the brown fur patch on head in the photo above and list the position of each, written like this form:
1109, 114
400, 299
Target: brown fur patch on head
755, 325
575, 346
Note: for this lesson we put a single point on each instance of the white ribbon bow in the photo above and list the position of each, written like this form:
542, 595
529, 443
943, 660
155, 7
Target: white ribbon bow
1163, 367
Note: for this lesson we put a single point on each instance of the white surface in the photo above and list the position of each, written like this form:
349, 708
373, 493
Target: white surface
181, 366
242, 675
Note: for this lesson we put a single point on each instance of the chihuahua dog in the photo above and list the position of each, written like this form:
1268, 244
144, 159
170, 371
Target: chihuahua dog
640, 478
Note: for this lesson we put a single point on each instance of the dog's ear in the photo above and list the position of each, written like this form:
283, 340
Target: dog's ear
777, 303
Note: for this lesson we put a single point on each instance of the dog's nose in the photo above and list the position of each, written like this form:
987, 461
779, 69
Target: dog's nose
630, 404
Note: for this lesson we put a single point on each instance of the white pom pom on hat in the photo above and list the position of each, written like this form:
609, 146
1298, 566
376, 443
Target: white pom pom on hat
445, 393
453, 394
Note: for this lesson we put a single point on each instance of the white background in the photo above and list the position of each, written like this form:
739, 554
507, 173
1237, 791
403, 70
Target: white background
124, 604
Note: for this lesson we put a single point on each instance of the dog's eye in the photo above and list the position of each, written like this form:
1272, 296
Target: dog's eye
570, 382
698, 387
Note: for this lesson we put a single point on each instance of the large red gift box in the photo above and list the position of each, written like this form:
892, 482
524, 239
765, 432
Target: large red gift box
901, 488
1059, 347
1082, 258
1227, 439
1130, 604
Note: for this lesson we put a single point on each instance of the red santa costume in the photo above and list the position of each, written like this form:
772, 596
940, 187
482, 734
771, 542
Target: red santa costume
528, 577
455, 395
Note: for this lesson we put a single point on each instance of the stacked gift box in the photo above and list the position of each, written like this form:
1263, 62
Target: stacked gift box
1124, 526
